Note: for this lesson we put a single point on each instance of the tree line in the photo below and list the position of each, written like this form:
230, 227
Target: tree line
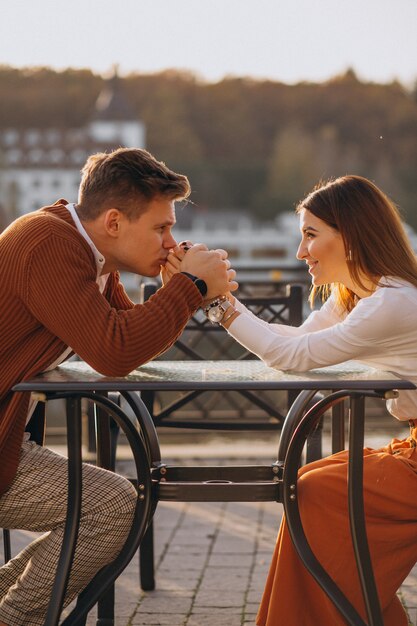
253, 145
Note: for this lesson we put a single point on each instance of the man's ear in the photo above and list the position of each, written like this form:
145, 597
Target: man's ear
111, 222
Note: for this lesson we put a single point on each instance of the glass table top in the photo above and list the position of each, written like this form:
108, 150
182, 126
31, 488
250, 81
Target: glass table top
185, 375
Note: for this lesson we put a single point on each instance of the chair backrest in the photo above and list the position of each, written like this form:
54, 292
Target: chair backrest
201, 340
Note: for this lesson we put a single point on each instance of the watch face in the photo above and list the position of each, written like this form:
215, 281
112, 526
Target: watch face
215, 314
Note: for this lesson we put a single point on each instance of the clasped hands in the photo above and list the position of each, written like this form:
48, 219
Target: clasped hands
213, 266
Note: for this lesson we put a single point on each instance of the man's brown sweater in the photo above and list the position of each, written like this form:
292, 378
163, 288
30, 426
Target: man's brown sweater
49, 300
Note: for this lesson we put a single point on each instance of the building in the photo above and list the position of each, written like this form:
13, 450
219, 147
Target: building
38, 166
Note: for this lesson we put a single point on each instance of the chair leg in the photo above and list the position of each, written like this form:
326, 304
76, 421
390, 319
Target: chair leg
146, 548
107, 432
146, 560
83, 620
105, 608
7, 545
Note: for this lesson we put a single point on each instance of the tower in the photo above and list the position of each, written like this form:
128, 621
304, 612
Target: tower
115, 122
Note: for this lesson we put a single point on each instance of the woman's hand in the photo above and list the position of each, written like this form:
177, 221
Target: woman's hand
173, 263
212, 266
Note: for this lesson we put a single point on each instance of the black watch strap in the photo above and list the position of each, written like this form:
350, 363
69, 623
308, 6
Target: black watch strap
198, 282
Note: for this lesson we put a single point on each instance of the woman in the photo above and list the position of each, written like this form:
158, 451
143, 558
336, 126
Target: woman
357, 252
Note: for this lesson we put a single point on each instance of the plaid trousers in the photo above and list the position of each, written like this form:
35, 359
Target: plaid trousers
37, 501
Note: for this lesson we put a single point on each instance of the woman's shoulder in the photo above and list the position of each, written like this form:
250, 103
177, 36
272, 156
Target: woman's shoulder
394, 290
394, 301
389, 311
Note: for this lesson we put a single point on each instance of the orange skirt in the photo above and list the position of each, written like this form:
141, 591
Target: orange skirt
292, 597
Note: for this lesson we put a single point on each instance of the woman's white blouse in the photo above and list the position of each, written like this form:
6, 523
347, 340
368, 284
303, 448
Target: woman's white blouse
381, 331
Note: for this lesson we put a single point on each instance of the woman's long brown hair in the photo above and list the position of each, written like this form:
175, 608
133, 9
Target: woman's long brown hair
375, 241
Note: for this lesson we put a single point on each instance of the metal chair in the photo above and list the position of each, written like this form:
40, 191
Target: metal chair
100, 590
203, 341
277, 482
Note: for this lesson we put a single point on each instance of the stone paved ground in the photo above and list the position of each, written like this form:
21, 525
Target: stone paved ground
212, 558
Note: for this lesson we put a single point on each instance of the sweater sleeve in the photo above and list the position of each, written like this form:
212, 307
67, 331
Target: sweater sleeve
116, 294
66, 300
368, 331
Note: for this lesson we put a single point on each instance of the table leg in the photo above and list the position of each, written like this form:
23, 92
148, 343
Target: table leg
143, 512
73, 511
146, 549
146, 560
357, 512
106, 460
290, 501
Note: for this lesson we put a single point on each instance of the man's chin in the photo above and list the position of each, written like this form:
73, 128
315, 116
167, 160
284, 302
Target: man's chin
148, 272
155, 272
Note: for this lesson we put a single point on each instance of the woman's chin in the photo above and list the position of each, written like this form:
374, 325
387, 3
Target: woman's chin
316, 281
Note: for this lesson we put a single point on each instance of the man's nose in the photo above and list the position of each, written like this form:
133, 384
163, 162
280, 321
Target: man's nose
169, 242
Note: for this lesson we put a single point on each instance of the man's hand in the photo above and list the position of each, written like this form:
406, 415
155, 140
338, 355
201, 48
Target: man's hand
212, 266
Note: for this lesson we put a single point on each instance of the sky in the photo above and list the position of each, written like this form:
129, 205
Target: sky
283, 40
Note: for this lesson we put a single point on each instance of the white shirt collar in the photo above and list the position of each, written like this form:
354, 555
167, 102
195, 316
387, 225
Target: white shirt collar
99, 258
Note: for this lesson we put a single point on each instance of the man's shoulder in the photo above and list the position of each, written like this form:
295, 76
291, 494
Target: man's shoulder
47, 231
34, 228
55, 217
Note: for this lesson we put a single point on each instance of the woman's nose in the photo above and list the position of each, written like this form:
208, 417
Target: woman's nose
301, 252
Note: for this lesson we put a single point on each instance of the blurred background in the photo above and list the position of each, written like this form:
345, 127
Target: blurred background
255, 101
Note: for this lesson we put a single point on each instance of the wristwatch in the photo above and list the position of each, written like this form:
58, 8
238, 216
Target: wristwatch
215, 311
198, 282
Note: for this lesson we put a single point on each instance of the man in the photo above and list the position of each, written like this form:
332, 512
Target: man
60, 294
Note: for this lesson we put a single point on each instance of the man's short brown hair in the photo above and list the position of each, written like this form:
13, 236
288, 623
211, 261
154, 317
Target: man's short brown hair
126, 179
